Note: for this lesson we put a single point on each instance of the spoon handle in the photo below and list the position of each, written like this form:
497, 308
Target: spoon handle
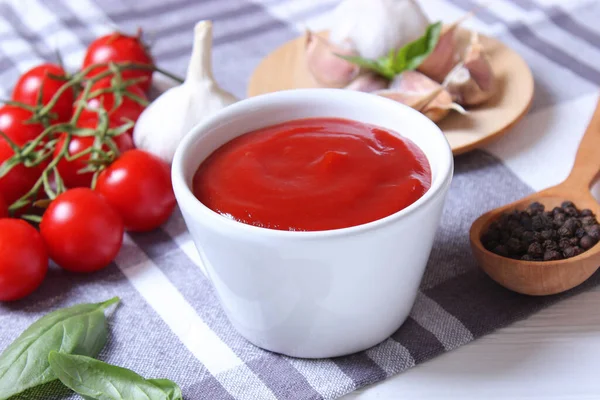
587, 161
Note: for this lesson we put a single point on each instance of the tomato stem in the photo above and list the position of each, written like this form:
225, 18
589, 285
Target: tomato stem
101, 153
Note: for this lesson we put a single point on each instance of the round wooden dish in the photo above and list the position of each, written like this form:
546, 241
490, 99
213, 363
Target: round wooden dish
285, 68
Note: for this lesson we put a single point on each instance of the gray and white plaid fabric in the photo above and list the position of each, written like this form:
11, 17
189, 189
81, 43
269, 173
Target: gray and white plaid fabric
170, 324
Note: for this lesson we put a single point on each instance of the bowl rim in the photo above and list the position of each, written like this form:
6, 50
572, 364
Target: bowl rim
188, 201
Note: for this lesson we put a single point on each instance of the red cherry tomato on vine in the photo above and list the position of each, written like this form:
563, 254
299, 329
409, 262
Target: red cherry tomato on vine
83, 233
13, 124
3, 208
138, 186
23, 259
118, 47
19, 180
69, 170
42, 78
128, 110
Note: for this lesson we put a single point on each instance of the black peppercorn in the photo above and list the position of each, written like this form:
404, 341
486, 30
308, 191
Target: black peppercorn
572, 251
535, 249
570, 224
551, 255
588, 220
492, 235
501, 250
513, 246
565, 232
559, 220
571, 211
518, 232
580, 232
587, 242
513, 224
593, 231
526, 221
538, 235
535, 208
528, 237
537, 223
563, 243
550, 245
548, 234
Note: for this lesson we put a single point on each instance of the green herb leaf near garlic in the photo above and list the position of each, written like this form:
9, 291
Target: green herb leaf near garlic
406, 58
173, 114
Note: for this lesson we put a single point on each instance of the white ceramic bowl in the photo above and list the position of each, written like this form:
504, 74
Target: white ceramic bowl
325, 293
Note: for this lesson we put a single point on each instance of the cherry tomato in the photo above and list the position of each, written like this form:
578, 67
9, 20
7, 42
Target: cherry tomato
69, 170
117, 47
39, 78
19, 180
23, 259
13, 124
3, 208
128, 110
83, 233
138, 186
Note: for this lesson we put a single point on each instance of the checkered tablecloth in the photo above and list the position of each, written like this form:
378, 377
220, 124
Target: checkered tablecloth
170, 324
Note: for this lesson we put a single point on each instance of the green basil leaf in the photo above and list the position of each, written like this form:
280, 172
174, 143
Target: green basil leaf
171, 389
408, 57
80, 329
414, 53
101, 381
381, 65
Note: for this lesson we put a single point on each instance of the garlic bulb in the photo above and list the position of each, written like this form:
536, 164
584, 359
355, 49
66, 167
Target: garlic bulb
323, 63
421, 93
368, 82
172, 115
472, 81
374, 27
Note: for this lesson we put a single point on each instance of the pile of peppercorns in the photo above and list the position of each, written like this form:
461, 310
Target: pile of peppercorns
539, 235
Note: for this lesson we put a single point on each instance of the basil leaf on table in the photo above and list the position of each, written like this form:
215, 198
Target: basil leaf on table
80, 329
408, 57
98, 380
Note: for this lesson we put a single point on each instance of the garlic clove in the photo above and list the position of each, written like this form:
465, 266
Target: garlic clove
174, 113
421, 93
323, 63
445, 55
368, 82
472, 82
375, 27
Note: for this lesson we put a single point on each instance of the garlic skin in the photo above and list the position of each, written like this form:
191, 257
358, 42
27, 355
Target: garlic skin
472, 82
324, 65
164, 123
445, 56
368, 82
374, 27
421, 93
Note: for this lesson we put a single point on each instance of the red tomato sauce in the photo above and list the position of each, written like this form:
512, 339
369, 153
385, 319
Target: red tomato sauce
313, 174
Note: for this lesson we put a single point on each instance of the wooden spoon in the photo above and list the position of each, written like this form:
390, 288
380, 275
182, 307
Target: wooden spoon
549, 277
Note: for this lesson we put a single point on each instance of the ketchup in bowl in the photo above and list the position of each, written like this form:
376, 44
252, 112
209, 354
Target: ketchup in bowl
313, 174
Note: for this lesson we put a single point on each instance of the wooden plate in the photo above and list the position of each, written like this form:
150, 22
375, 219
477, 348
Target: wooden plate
285, 68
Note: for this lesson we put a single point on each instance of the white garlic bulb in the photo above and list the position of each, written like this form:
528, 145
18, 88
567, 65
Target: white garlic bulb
374, 27
173, 114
